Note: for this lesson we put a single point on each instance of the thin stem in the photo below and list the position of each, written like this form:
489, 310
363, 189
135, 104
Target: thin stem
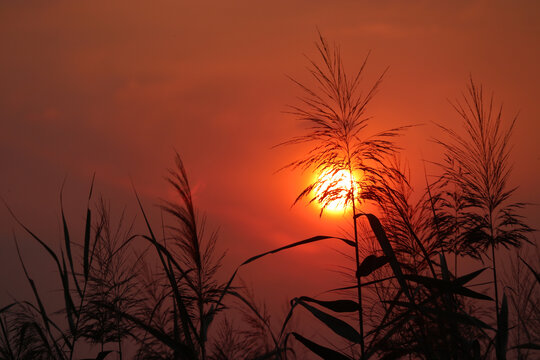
494, 267
359, 283
495, 282
75, 335
119, 338
357, 258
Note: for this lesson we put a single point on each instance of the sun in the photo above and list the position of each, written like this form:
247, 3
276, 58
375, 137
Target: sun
331, 190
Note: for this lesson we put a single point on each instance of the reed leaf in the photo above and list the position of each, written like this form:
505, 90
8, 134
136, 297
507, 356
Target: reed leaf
363, 284
67, 244
320, 350
294, 302
35, 237
161, 251
446, 286
253, 258
68, 300
41, 307
462, 280
370, 264
295, 244
86, 246
534, 272
380, 234
338, 326
341, 306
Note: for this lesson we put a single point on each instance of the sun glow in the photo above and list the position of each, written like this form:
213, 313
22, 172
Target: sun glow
332, 190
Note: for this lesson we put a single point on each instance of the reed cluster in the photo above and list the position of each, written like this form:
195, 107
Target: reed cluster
163, 298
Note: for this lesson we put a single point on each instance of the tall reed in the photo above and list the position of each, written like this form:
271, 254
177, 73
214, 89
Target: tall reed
334, 109
480, 168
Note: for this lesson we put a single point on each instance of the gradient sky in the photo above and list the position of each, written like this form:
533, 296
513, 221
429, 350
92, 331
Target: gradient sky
115, 87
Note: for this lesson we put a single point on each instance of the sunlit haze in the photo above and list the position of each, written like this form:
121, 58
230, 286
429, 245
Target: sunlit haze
338, 184
116, 88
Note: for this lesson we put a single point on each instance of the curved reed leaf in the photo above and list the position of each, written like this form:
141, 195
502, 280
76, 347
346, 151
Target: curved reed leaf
43, 313
70, 307
380, 234
187, 324
294, 302
295, 244
86, 246
446, 286
371, 263
338, 326
334, 305
35, 237
362, 285
462, 280
67, 244
253, 258
41, 307
322, 351
535, 273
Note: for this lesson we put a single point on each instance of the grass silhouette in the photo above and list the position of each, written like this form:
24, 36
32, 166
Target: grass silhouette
335, 112
163, 296
477, 164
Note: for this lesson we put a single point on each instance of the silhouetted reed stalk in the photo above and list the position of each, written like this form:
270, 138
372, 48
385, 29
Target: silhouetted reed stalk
522, 282
169, 314
335, 111
112, 279
477, 164
55, 339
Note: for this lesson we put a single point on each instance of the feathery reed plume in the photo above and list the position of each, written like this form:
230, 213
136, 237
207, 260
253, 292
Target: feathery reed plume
335, 112
522, 283
480, 169
113, 279
180, 296
59, 339
196, 251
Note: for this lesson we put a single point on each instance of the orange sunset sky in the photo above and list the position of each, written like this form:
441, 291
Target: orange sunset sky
114, 87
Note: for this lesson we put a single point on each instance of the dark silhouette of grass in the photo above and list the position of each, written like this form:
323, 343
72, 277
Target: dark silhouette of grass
166, 300
522, 285
478, 164
113, 295
55, 340
335, 112
113, 280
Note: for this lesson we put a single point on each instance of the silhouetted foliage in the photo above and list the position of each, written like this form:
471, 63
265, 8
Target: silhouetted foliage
164, 298
477, 170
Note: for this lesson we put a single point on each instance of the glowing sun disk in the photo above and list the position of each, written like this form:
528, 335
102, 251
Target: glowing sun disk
332, 189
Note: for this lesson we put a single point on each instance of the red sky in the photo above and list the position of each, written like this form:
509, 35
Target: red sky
115, 87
